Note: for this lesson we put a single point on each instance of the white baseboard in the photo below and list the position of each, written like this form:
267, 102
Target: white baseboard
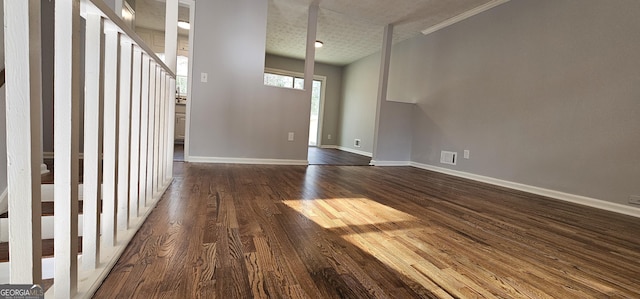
390, 163
329, 146
219, 160
354, 151
582, 200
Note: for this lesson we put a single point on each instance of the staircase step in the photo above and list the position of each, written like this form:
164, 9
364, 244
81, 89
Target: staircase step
47, 249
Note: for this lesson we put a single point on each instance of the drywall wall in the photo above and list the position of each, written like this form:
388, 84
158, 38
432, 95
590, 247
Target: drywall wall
394, 133
542, 92
333, 91
359, 100
233, 115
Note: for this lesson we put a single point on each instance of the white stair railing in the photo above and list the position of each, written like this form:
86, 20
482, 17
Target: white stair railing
127, 143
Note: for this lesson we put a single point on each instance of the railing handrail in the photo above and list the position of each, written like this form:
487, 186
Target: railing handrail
99, 7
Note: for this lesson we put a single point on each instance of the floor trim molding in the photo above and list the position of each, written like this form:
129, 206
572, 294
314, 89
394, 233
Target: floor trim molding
355, 151
578, 199
329, 146
390, 163
220, 160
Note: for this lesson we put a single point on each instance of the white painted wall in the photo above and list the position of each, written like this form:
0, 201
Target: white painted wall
3, 117
359, 100
542, 92
233, 115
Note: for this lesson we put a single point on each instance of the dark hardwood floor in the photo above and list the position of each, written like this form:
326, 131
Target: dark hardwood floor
326, 156
243, 231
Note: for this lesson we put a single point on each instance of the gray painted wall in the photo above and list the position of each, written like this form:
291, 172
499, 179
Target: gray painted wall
3, 116
333, 91
47, 31
359, 100
542, 92
234, 115
395, 132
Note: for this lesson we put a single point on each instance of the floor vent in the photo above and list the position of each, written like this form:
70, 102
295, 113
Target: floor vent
448, 157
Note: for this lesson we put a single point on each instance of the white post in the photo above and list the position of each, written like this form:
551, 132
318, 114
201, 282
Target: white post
110, 145
134, 182
171, 35
94, 55
144, 127
383, 82
151, 133
24, 96
66, 124
124, 134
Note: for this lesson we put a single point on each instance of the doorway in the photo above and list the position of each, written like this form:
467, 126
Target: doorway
315, 120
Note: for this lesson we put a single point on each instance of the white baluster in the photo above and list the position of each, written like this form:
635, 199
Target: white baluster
144, 127
24, 95
93, 109
124, 134
110, 145
134, 183
66, 143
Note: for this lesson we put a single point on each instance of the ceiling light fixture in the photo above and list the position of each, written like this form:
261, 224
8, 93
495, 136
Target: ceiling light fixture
184, 25
319, 44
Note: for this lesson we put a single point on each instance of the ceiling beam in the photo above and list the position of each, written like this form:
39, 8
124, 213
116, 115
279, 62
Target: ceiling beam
463, 16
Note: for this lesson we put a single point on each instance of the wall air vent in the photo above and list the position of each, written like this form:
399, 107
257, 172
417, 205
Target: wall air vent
448, 157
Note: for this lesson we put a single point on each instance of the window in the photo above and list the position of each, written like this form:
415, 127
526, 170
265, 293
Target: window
279, 80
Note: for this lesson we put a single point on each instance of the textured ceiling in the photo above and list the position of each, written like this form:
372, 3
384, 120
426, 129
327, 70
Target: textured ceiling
350, 29
353, 29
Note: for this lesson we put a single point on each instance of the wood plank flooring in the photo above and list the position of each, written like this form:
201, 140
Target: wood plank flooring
327, 156
243, 231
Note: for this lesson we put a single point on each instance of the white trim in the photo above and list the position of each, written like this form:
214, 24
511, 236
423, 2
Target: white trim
389, 163
463, 16
355, 151
4, 203
221, 160
329, 146
582, 200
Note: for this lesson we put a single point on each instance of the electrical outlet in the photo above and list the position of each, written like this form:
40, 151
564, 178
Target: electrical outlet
291, 136
466, 154
356, 142
634, 199
329, 136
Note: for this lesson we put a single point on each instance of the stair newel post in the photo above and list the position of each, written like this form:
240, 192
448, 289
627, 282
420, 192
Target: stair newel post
110, 146
93, 110
24, 150
134, 183
66, 145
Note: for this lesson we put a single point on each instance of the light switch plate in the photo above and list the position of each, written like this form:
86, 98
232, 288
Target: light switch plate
204, 77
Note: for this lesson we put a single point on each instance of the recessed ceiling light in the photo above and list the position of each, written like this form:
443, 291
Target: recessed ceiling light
319, 44
184, 25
